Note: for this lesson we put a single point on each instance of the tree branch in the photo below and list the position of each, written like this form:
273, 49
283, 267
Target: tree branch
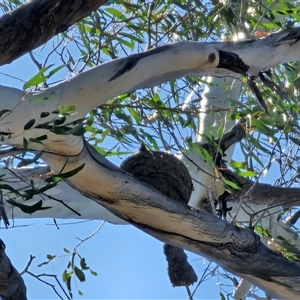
134, 72
59, 198
261, 193
35, 22
237, 250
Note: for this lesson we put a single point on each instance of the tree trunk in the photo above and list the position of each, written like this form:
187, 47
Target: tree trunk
12, 286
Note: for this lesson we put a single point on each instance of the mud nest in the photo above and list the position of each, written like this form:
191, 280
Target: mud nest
163, 171
169, 175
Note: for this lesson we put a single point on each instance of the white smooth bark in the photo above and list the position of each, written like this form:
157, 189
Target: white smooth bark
217, 94
76, 205
98, 85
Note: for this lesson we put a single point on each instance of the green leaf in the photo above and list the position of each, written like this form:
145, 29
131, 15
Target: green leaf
262, 232
114, 153
238, 164
59, 177
29, 209
134, 114
5, 186
38, 139
60, 120
116, 13
40, 77
44, 263
93, 272
3, 111
156, 99
55, 70
232, 184
130, 45
77, 130
37, 79
295, 140
261, 127
247, 173
257, 144
29, 124
213, 271
68, 284
42, 137
51, 257
80, 275
83, 264
235, 281
66, 250
121, 115
257, 160
207, 157
204, 154
29, 193
153, 142
66, 275
66, 109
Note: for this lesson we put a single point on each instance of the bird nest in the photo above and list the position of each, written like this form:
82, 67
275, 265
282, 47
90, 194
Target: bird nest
163, 171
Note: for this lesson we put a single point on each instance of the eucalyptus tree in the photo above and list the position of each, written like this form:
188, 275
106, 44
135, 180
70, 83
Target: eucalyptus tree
131, 68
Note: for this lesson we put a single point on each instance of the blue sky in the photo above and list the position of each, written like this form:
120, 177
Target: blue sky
129, 263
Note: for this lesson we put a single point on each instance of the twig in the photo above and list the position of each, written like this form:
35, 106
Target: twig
189, 293
243, 13
201, 279
51, 285
3, 214
31, 258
